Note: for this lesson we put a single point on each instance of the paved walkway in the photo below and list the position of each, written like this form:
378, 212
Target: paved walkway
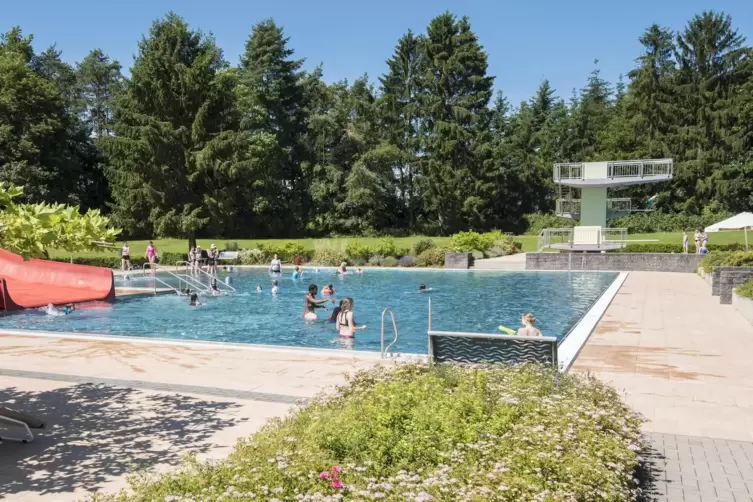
688, 468
114, 405
683, 361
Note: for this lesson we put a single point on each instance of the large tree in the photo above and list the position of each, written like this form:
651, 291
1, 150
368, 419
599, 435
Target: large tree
454, 96
272, 101
172, 158
99, 80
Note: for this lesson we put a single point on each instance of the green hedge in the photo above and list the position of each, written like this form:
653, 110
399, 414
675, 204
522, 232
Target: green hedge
726, 259
114, 261
656, 222
666, 247
429, 432
745, 290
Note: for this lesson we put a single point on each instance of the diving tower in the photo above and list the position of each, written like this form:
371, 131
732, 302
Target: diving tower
582, 187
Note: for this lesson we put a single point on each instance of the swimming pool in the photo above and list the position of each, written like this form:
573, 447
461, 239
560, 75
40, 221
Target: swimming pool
477, 301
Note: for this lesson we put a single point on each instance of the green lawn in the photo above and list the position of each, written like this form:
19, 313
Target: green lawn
530, 242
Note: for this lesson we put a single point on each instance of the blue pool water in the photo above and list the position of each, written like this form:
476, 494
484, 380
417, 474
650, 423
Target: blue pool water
461, 301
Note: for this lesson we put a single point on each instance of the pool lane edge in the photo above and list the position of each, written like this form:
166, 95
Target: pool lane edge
569, 349
198, 344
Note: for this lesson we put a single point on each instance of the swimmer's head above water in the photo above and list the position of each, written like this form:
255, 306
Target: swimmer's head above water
422, 287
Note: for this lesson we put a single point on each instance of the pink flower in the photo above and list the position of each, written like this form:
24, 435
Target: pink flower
324, 475
337, 468
338, 484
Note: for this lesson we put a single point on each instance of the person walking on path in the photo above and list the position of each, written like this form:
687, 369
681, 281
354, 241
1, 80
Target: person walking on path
685, 242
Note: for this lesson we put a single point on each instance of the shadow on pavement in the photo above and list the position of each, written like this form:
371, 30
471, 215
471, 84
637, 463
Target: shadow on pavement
95, 432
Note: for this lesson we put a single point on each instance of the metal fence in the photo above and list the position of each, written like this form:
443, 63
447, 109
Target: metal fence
566, 237
649, 168
572, 206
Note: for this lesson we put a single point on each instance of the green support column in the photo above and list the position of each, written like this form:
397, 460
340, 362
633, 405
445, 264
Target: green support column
593, 207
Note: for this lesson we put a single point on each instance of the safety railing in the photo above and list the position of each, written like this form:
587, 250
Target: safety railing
568, 171
581, 237
646, 168
199, 271
640, 168
394, 327
573, 206
188, 281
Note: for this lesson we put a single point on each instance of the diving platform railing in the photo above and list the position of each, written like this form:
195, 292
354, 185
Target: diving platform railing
573, 206
648, 169
583, 238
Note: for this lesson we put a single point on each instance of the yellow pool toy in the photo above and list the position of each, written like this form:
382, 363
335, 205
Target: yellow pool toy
507, 330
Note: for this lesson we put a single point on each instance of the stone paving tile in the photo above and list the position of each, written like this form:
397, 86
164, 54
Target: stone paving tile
688, 468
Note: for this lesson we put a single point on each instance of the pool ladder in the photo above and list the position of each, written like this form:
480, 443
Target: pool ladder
394, 327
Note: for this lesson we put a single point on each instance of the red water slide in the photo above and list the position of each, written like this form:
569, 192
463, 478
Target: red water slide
35, 283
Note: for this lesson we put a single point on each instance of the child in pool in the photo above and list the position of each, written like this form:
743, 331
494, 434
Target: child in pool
310, 303
275, 287
258, 288
297, 274
328, 290
346, 323
194, 301
335, 311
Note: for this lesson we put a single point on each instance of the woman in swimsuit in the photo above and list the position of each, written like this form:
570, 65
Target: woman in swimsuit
346, 324
276, 266
125, 257
151, 255
528, 328
310, 303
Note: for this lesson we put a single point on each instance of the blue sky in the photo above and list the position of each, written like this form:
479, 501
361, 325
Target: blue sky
527, 41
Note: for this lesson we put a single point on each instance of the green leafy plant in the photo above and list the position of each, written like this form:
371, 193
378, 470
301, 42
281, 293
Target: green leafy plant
252, 257
386, 247
745, 290
358, 250
389, 261
430, 432
32, 229
422, 245
231, 246
433, 257
328, 257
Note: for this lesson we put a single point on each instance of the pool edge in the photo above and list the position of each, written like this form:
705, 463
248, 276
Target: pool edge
577, 338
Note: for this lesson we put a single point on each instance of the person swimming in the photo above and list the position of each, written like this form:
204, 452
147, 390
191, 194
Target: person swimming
215, 290
343, 268
297, 273
335, 311
311, 303
194, 301
51, 309
423, 289
529, 328
346, 323
258, 288
275, 267
328, 290
359, 270
275, 287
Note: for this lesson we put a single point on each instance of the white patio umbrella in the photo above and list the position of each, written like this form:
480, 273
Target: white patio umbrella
741, 221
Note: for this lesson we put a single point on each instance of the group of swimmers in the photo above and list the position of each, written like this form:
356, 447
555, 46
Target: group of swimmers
343, 315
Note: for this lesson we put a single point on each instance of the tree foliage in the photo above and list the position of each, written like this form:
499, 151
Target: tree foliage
193, 145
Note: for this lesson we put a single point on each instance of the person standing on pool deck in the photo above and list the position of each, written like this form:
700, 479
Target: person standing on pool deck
346, 324
685, 242
310, 303
125, 257
151, 255
276, 266
214, 256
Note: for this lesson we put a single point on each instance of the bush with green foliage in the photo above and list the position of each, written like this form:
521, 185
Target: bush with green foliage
433, 257
231, 246
726, 259
328, 257
471, 241
166, 259
359, 250
668, 247
252, 257
429, 432
537, 222
745, 290
389, 261
386, 247
422, 245
407, 261
655, 221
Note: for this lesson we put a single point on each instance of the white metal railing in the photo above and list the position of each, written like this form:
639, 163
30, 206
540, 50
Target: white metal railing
394, 327
568, 171
640, 168
646, 168
566, 237
199, 270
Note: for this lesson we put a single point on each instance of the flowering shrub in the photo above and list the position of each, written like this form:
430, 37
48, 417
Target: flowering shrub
420, 433
432, 257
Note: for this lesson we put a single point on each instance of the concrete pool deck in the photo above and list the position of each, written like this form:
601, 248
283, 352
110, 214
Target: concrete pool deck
680, 357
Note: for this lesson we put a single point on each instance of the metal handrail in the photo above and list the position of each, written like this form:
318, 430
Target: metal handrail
196, 284
394, 327
209, 275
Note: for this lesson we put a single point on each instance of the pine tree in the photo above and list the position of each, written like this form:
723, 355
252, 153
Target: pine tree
273, 102
99, 80
454, 97
398, 106
173, 149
